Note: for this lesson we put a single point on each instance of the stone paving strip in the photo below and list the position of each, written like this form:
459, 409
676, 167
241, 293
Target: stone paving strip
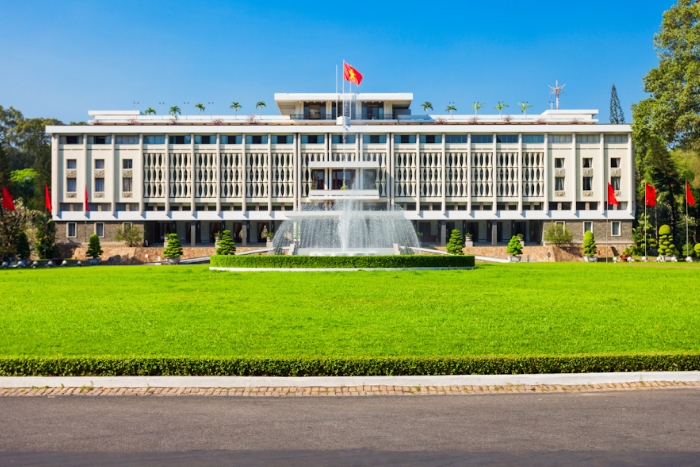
343, 391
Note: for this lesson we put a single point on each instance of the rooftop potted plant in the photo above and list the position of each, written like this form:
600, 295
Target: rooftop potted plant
590, 249
468, 242
514, 249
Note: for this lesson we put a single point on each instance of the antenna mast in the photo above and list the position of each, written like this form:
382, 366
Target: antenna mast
556, 91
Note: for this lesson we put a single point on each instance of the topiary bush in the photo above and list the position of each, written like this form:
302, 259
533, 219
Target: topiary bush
226, 245
514, 248
697, 249
456, 243
688, 250
589, 246
666, 245
174, 248
94, 248
360, 262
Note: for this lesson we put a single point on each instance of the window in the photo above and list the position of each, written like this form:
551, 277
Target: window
587, 183
312, 139
127, 164
99, 163
615, 182
559, 163
588, 139
100, 229
71, 140
431, 139
374, 139
180, 139
256, 139
127, 140
71, 185
71, 229
204, 139
70, 164
506, 138
318, 179
561, 138
126, 184
282, 139
587, 227
99, 140
154, 139
533, 138
406, 139
369, 179
456, 139
559, 184
615, 162
482, 139
615, 138
587, 162
231, 139
343, 139
615, 228
99, 185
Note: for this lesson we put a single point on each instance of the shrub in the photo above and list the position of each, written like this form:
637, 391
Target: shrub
45, 245
688, 249
226, 244
23, 250
456, 243
362, 262
666, 246
94, 249
129, 234
558, 234
174, 248
697, 249
589, 246
514, 248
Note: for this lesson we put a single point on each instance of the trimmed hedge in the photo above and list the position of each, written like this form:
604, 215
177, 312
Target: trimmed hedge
364, 262
370, 366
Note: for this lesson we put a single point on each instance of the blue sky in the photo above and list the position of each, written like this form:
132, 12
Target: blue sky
61, 58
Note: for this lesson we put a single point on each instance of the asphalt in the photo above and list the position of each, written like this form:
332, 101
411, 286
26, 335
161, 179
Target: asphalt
598, 428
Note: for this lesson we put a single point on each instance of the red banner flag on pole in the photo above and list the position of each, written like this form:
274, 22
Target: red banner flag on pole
47, 203
650, 195
611, 195
351, 74
689, 194
87, 204
7, 201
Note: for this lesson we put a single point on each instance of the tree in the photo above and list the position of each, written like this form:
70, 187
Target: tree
226, 244
524, 106
4, 167
12, 224
260, 106
45, 245
589, 246
616, 114
150, 111
129, 234
427, 106
451, 108
200, 107
666, 245
236, 107
456, 243
175, 111
22, 249
174, 248
23, 183
514, 248
500, 106
558, 234
94, 249
643, 229
477, 106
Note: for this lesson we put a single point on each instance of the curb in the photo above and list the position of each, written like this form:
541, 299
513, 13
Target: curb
335, 269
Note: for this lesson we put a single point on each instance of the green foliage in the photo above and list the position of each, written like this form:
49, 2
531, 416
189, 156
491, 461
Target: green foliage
697, 249
129, 234
22, 249
45, 245
23, 183
589, 246
666, 245
456, 243
174, 248
94, 249
688, 250
558, 234
644, 229
514, 248
362, 262
616, 114
227, 246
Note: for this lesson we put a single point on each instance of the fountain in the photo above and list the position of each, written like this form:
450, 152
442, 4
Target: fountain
344, 229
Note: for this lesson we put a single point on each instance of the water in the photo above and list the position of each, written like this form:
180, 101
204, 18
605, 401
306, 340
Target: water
345, 230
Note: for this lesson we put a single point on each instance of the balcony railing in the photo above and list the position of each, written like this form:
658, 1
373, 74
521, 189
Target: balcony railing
363, 116
366, 195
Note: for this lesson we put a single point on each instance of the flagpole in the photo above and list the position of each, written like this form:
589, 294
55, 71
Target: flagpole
646, 220
607, 226
686, 218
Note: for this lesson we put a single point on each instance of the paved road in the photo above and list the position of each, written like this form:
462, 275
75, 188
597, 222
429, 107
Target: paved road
601, 428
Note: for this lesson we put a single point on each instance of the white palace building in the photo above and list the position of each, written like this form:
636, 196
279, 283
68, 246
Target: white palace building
492, 176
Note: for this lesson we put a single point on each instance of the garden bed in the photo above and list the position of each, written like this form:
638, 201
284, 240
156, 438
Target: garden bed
343, 262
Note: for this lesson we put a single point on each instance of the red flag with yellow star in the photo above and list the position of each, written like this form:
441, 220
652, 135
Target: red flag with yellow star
351, 74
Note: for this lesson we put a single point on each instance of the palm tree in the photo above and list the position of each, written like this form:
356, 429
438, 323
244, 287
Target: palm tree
427, 106
150, 111
260, 105
175, 111
524, 106
500, 106
236, 107
477, 106
200, 107
451, 108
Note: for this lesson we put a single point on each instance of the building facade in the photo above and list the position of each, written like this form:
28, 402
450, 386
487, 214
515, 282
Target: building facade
491, 176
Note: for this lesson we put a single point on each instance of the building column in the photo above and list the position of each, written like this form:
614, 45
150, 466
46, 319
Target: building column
418, 181
193, 177
269, 174
217, 175
166, 154
494, 176
244, 233
577, 175
389, 171
520, 173
442, 225
116, 175
630, 182
469, 176
244, 204
193, 233
494, 233
295, 168
444, 172
547, 183
137, 177
57, 169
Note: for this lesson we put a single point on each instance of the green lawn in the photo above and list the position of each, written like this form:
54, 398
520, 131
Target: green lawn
503, 309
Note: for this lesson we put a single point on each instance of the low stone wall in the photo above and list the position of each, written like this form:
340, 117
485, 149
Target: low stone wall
538, 253
137, 255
